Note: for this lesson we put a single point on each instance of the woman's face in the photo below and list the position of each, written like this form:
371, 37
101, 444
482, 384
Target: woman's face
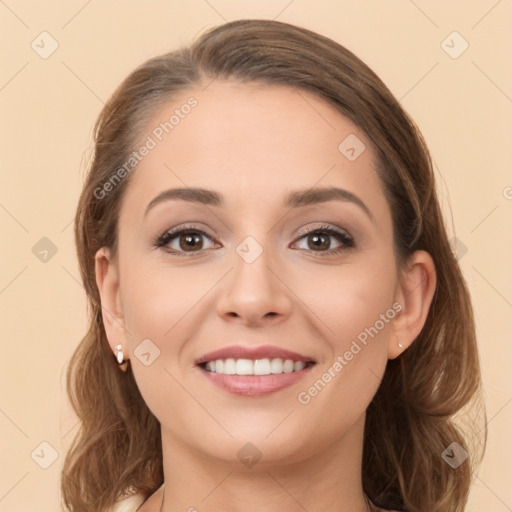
268, 263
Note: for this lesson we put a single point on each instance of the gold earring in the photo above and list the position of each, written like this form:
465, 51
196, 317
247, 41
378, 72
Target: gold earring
120, 355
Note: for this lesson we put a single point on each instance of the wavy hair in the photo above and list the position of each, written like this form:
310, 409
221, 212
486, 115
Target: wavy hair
414, 415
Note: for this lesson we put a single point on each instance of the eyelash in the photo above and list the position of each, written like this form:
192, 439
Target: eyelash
345, 239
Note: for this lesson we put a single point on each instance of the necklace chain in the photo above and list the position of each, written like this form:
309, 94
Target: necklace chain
162, 505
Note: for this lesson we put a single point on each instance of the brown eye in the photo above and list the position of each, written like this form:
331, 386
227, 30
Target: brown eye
191, 241
185, 240
320, 241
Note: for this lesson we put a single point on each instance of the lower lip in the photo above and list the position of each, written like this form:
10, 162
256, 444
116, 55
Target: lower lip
255, 385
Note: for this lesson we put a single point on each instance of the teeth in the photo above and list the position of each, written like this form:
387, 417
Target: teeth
257, 367
276, 366
229, 367
298, 366
262, 367
242, 367
288, 366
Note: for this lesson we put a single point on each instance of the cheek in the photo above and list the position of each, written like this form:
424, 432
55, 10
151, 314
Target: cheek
351, 298
358, 310
155, 298
158, 303
363, 311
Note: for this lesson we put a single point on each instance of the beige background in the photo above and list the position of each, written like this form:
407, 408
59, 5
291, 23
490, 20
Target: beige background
463, 106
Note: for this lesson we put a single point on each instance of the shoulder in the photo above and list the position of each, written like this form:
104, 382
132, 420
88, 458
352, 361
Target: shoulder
129, 504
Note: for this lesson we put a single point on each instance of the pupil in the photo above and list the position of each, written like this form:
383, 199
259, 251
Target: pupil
317, 238
190, 241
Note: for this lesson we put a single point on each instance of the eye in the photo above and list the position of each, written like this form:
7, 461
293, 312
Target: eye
319, 239
187, 239
190, 239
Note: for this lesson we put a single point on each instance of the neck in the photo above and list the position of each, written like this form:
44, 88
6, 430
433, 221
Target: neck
328, 480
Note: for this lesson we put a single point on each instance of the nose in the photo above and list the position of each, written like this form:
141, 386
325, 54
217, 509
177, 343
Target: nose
255, 293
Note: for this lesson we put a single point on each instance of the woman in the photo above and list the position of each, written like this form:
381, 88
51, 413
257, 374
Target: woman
265, 257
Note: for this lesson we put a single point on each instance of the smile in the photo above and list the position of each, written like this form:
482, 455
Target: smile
254, 371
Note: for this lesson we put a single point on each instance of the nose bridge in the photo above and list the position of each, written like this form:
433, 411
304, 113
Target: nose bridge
253, 291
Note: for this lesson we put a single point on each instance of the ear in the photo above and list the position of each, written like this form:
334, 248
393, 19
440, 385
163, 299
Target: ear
414, 293
107, 280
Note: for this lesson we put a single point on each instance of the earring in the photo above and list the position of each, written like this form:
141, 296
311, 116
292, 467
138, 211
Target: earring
120, 355
400, 345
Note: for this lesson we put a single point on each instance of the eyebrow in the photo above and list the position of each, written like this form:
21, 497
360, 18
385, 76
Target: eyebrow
294, 199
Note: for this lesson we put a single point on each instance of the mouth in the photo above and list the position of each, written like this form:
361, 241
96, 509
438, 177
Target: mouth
254, 371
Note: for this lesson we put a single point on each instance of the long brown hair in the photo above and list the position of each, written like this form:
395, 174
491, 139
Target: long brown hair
413, 416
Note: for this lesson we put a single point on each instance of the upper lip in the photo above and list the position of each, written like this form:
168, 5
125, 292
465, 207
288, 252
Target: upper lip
260, 352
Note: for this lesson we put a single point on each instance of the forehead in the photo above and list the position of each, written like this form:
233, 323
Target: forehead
254, 142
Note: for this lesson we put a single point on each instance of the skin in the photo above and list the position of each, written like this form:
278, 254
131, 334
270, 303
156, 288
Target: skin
254, 144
